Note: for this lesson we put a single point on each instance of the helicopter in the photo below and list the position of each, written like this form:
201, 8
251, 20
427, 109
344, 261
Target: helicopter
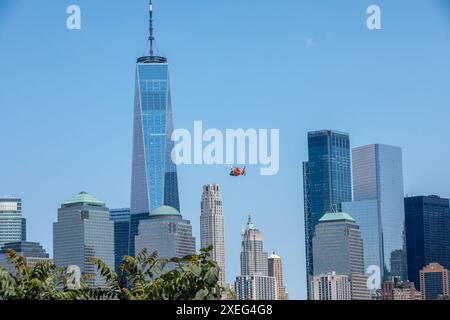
237, 172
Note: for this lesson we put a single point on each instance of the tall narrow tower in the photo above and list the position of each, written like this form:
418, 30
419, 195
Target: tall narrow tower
378, 207
276, 270
254, 283
212, 226
253, 258
154, 181
326, 182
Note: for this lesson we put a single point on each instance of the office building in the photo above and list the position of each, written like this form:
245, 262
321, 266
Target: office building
399, 290
326, 181
154, 181
434, 283
12, 224
254, 283
121, 220
256, 287
338, 247
33, 253
84, 231
167, 233
427, 233
253, 257
275, 268
330, 286
378, 207
212, 226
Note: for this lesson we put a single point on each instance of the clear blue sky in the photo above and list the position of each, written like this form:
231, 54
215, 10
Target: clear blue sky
66, 99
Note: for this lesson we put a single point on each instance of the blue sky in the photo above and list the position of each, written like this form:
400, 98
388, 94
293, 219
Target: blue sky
66, 100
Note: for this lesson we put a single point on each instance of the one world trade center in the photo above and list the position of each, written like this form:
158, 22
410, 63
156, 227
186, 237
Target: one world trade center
154, 181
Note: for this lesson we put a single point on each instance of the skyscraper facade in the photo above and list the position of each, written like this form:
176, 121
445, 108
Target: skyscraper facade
379, 208
427, 233
326, 181
254, 283
167, 233
121, 220
330, 286
84, 231
12, 224
154, 181
33, 253
434, 283
366, 215
275, 268
338, 247
256, 287
212, 226
253, 257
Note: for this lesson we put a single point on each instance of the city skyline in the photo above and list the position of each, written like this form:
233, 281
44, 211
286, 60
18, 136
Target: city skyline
386, 98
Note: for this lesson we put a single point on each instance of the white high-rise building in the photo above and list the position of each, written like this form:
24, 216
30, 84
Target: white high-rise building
212, 226
256, 287
275, 267
330, 286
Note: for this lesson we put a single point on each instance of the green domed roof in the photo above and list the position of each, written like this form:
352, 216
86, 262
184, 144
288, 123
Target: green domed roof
165, 211
84, 197
336, 216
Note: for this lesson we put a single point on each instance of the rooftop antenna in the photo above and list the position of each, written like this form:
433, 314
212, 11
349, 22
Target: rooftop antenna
151, 38
152, 58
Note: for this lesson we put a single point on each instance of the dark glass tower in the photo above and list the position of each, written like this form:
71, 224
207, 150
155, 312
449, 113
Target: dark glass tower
154, 180
326, 181
427, 234
121, 219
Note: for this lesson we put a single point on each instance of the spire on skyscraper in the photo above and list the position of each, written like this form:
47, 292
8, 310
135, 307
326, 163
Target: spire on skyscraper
250, 225
151, 38
152, 58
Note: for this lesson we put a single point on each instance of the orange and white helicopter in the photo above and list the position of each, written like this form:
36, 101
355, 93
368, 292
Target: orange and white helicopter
237, 172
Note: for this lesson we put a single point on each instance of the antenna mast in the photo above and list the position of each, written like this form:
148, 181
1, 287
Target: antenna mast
151, 38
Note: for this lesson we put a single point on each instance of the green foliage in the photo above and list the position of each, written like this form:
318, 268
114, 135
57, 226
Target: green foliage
42, 282
145, 277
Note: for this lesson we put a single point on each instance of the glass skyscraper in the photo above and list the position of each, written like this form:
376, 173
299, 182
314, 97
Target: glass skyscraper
427, 233
378, 207
366, 215
326, 181
154, 181
12, 224
121, 219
